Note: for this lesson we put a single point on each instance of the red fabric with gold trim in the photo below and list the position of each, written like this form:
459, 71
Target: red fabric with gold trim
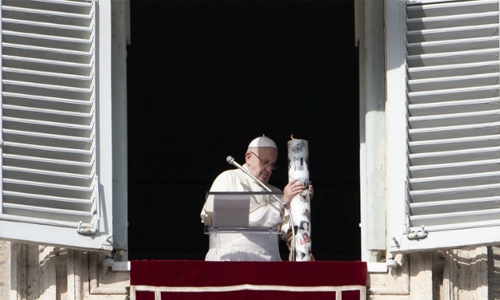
247, 280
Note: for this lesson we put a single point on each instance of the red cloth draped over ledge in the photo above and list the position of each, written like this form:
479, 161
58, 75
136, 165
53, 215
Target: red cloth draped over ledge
193, 279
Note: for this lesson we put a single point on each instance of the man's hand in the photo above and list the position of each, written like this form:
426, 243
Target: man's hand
292, 189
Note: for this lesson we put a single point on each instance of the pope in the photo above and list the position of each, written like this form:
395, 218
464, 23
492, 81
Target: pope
265, 210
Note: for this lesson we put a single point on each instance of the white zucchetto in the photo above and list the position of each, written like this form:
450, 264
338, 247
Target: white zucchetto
262, 141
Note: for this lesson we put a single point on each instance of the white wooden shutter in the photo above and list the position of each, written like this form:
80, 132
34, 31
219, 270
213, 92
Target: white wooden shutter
51, 192
452, 126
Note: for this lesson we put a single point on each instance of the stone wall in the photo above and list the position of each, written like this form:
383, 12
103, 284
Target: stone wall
52, 273
464, 274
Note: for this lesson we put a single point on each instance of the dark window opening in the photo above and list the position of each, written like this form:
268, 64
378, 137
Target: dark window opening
206, 77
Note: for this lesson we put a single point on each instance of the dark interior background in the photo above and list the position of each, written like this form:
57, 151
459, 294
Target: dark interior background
205, 78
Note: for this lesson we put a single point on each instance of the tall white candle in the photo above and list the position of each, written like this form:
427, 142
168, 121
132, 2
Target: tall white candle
300, 207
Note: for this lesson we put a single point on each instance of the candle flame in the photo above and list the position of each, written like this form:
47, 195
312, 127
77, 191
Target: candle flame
291, 136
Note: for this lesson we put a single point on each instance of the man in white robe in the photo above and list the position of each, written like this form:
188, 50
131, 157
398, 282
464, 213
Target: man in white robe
265, 210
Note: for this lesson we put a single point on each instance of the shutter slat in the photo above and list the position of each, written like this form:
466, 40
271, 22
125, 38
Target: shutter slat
456, 218
58, 162
43, 38
491, 222
450, 9
87, 90
56, 165
43, 101
453, 58
461, 69
452, 180
48, 53
46, 25
63, 65
41, 212
59, 113
454, 119
65, 177
450, 156
48, 123
454, 193
419, 171
450, 144
60, 150
451, 21
64, 78
37, 197
455, 205
452, 107
455, 131
47, 211
52, 136
458, 94
430, 84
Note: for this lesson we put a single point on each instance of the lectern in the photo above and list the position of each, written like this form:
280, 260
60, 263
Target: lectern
230, 212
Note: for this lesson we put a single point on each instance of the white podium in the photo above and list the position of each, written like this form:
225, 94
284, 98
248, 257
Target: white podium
231, 213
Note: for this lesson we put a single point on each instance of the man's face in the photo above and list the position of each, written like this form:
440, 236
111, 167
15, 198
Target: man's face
261, 161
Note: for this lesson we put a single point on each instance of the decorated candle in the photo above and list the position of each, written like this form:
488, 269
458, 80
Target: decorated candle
300, 207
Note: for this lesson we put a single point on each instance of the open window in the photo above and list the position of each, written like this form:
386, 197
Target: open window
443, 122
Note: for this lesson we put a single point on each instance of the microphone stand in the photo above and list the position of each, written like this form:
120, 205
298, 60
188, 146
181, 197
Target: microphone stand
231, 160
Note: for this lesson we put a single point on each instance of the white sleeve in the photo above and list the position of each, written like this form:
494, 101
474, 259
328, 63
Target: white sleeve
265, 215
221, 183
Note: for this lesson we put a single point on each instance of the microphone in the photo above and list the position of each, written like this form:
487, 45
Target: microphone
231, 161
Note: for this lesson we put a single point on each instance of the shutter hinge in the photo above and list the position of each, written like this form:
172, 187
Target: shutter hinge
417, 234
88, 229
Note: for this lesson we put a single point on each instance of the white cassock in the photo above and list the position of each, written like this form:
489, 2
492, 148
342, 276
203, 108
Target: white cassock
265, 211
